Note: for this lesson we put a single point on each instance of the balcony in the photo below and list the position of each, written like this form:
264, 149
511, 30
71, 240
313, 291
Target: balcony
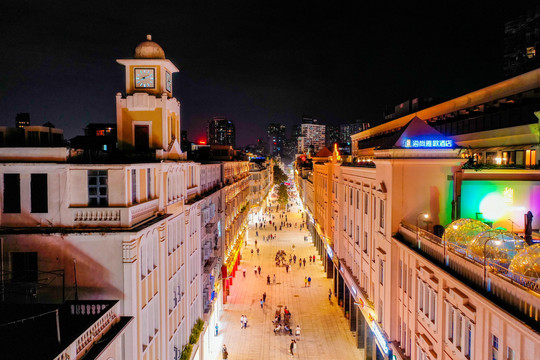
114, 216
503, 287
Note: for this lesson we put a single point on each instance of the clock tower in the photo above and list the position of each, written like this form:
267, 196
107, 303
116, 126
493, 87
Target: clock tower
148, 116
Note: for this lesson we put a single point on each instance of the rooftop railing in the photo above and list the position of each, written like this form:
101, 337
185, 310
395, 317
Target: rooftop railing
492, 266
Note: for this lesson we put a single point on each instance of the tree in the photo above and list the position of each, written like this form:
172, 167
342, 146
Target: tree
283, 195
279, 175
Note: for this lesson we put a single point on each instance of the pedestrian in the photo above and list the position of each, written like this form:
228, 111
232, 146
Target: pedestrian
264, 296
262, 302
217, 329
313, 258
309, 281
244, 272
310, 258
268, 280
293, 346
297, 331
245, 321
304, 262
294, 258
274, 278
258, 251
305, 281
254, 268
255, 243
224, 353
256, 234
287, 267
251, 251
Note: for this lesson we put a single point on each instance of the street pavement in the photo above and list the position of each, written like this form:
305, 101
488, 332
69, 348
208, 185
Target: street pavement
324, 330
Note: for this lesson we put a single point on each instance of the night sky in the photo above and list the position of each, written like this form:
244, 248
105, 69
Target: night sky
254, 62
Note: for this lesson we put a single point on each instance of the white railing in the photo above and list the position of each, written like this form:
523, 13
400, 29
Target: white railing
114, 216
461, 251
109, 315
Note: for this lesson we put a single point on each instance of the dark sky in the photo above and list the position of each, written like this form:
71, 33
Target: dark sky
254, 62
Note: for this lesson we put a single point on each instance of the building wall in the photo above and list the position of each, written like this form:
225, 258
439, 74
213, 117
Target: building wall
385, 276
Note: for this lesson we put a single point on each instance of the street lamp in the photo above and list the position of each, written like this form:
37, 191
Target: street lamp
425, 216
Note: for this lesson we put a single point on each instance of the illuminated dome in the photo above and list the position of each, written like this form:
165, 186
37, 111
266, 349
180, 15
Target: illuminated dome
501, 245
462, 231
527, 262
149, 50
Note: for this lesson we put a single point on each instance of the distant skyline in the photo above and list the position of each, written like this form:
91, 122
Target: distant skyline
252, 62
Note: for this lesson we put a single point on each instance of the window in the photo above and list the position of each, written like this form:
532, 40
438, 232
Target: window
366, 200
38, 193
381, 272
97, 188
450, 324
345, 223
381, 217
459, 324
357, 199
24, 267
357, 238
133, 186
12, 193
494, 347
350, 196
410, 283
381, 312
365, 242
509, 353
468, 340
420, 295
433, 307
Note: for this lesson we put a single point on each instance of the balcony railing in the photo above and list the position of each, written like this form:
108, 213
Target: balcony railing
461, 251
503, 287
114, 216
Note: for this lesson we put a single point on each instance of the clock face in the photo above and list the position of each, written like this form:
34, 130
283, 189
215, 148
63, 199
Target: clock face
145, 78
168, 81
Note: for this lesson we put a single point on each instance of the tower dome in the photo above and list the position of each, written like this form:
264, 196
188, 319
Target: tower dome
149, 50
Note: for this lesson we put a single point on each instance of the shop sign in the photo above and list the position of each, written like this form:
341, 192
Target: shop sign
428, 143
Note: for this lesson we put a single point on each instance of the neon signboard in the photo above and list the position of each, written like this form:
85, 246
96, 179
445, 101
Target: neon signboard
380, 338
329, 251
428, 143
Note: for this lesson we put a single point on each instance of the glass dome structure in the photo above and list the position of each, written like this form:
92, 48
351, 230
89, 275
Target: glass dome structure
527, 262
462, 231
500, 246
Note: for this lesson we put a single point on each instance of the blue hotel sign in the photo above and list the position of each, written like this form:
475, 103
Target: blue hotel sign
428, 143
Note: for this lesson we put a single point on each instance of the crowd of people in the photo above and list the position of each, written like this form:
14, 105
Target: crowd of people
275, 220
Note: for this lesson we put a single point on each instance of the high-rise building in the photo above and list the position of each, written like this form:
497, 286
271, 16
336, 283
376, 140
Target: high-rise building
22, 120
522, 43
221, 131
332, 135
313, 134
346, 130
276, 138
